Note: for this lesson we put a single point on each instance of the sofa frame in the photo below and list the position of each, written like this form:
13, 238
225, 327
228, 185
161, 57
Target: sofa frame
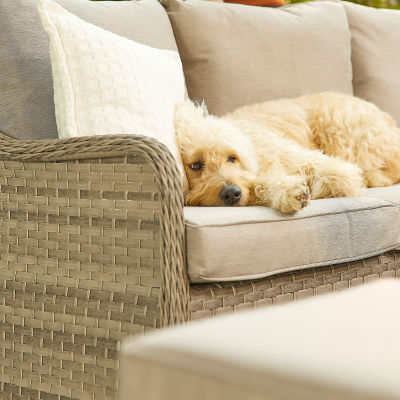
92, 243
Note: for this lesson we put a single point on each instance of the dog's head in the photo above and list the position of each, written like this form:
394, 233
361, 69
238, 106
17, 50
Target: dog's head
219, 159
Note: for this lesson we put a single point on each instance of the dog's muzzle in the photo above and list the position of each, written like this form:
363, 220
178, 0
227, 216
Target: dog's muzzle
230, 195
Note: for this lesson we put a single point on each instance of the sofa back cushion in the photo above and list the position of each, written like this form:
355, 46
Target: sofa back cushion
26, 84
376, 56
234, 54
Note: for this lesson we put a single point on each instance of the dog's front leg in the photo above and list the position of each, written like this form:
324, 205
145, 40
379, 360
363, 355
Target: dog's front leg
278, 190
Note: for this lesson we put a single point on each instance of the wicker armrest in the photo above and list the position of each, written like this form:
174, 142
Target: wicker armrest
92, 250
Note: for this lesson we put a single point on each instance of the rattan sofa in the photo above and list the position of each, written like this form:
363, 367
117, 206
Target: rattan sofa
92, 250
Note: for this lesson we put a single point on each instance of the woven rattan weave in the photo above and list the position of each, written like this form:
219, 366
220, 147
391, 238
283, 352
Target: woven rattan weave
92, 251
208, 300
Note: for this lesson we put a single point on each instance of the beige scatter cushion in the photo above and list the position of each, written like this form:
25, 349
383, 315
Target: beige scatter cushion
105, 84
376, 56
234, 54
26, 84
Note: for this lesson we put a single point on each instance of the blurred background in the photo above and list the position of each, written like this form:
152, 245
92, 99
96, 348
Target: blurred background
393, 4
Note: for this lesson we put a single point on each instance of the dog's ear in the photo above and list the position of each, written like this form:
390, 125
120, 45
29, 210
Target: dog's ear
202, 106
187, 115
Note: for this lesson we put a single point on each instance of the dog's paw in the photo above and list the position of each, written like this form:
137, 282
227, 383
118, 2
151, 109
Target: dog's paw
295, 198
284, 193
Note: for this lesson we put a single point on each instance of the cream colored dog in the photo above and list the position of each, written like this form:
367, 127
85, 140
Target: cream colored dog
283, 153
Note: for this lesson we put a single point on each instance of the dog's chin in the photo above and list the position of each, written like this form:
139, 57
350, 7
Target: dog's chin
232, 205
240, 203
217, 202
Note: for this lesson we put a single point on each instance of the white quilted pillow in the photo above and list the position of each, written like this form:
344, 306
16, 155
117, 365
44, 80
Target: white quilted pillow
107, 84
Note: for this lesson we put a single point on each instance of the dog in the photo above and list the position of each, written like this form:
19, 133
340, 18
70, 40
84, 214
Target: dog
281, 154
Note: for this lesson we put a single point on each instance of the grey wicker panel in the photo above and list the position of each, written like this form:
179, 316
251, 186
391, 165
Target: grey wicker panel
79, 271
174, 279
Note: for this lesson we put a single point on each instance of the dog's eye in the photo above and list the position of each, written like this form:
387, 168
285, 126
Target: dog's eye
196, 166
232, 159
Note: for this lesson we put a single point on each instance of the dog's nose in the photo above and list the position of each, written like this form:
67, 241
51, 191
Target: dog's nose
230, 195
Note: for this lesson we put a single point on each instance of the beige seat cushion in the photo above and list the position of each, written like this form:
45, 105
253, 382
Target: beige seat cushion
390, 194
234, 54
376, 56
342, 346
26, 83
226, 244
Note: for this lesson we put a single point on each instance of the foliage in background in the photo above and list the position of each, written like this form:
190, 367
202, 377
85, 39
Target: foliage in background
393, 4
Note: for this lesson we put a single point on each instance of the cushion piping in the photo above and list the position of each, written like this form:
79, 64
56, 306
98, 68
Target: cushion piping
290, 269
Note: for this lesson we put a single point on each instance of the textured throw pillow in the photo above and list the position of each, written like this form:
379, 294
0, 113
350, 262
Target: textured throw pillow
107, 84
376, 56
234, 54
26, 84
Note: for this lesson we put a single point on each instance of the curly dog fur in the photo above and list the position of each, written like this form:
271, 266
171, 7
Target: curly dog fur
283, 153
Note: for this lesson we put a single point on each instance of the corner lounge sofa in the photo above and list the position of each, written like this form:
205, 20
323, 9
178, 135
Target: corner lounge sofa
95, 241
